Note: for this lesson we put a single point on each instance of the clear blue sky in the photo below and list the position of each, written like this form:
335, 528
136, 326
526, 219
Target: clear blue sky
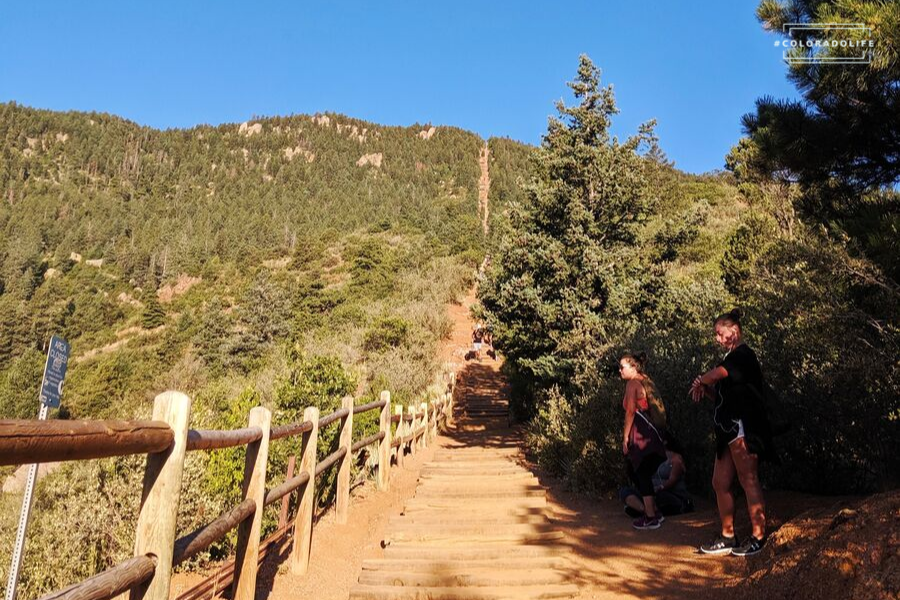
493, 67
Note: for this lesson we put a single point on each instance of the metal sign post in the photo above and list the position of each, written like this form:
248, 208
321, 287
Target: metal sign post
51, 390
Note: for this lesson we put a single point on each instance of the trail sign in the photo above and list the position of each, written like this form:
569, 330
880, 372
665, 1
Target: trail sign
54, 372
51, 390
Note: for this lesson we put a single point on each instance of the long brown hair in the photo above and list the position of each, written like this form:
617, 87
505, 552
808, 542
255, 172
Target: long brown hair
638, 361
654, 401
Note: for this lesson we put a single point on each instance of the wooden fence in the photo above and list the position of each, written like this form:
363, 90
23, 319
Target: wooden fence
167, 438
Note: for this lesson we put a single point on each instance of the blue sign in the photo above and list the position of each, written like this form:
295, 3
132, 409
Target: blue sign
54, 372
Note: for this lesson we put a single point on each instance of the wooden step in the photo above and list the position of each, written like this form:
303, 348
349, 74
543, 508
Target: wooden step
453, 576
492, 552
434, 566
467, 539
439, 519
439, 475
390, 592
463, 502
464, 511
478, 493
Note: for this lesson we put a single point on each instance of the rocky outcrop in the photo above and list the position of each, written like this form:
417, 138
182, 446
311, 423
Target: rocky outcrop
370, 159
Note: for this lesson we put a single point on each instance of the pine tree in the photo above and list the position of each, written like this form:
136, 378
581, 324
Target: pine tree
213, 336
154, 314
553, 292
841, 140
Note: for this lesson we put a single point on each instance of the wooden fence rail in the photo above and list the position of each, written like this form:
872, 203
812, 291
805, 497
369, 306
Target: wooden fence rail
166, 439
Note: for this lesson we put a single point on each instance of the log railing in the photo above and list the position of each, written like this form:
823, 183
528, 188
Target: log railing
166, 439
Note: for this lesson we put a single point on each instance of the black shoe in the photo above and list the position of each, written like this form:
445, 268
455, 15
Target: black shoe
634, 514
720, 545
751, 546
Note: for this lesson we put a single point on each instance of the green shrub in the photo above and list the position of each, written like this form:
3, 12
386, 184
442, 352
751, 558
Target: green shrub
387, 332
19, 386
154, 314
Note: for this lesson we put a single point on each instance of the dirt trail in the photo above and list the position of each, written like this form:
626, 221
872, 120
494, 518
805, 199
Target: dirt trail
477, 526
484, 186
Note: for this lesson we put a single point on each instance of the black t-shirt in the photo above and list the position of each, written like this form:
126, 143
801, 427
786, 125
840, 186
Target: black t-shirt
740, 392
743, 370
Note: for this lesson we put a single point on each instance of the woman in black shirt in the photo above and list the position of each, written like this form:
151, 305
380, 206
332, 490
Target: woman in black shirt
742, 434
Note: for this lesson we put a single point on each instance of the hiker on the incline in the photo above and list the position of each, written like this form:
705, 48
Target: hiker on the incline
742, 431
477, 338
643, 434
672, 496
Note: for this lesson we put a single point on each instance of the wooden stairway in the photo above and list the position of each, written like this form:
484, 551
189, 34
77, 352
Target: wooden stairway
476, 528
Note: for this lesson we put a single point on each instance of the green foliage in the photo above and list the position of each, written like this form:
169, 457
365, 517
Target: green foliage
95, 504
372, 266
388, 332
552, 290
826, 326
154, 314
151, 201
839, 140
213, 334
225, 469
263, 317
743, 246
19, 386
319, 381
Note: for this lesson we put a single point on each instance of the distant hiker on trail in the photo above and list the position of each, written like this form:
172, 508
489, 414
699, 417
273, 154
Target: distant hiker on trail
672, 496
643, 435
477, 339
743, 435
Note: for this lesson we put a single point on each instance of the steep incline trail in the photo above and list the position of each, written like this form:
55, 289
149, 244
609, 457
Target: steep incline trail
477, 526
484, 186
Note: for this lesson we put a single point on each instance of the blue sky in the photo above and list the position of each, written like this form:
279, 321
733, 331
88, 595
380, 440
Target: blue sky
495, 67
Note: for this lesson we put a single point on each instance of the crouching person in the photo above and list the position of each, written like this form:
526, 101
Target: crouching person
672, 497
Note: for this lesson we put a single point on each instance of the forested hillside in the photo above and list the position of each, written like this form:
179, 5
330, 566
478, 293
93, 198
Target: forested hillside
284, 261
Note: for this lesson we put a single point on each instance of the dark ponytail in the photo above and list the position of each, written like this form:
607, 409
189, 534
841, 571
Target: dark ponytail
732, 317
638, 361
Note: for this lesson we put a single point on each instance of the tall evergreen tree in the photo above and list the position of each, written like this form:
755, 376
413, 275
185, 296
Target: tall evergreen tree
555, 288
154, 314
843, 138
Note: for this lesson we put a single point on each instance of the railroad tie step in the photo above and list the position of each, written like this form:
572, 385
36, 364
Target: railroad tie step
445, 554
442, 519
390, 592
453, 576
466, 539
432, 566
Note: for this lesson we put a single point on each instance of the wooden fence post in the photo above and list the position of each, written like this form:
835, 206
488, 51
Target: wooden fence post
155, 533
342, 502
434, 424
412, 428
401, 431
413, 425
286, 501
246, 561
426, 424
303, 520
448, 409
384, 447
